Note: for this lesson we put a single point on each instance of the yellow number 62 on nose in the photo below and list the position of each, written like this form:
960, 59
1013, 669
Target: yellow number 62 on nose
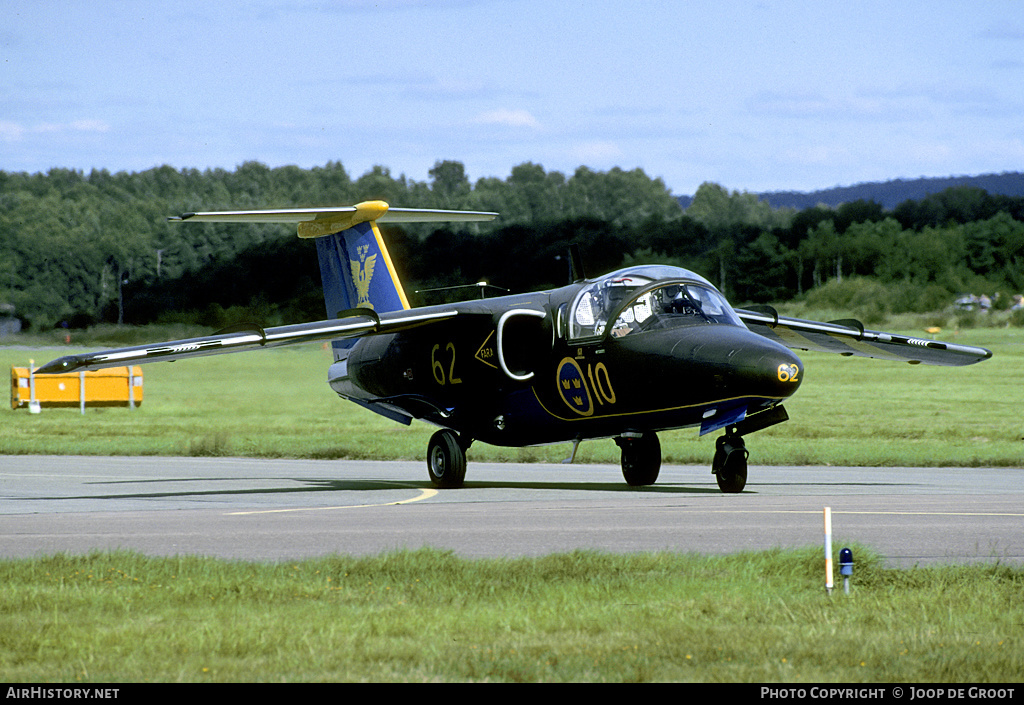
788, 373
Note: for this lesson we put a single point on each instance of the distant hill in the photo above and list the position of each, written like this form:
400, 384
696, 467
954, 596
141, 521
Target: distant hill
890, 194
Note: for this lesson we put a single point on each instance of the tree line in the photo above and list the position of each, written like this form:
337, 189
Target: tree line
79, 248
895, 191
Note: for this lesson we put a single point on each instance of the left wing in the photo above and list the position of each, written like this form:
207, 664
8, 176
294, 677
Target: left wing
350, 324
849, 337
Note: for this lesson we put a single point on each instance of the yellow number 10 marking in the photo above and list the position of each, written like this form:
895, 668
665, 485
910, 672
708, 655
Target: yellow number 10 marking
603, 389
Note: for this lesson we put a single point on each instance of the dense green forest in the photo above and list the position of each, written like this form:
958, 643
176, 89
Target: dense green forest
81, 248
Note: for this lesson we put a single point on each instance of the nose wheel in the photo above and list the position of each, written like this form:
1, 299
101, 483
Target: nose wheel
730, 464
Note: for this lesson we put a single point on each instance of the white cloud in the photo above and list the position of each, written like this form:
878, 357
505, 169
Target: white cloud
15, 132
89, 126
597, 151
11, 131
508, 118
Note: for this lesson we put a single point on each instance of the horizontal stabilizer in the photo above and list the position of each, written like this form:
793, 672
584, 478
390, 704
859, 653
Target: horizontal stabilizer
848, 337
355, 324
318, 222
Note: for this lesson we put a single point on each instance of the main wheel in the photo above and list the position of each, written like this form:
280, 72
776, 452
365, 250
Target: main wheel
730, 464
446, 460
641, 459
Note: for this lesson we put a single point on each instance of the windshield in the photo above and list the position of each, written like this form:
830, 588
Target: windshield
596, 302
630, 301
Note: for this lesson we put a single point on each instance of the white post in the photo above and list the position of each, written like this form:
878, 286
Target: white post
33, 405
81, 391
828, 550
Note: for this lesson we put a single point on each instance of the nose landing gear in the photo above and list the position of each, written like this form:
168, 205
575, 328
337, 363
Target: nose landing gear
730, 462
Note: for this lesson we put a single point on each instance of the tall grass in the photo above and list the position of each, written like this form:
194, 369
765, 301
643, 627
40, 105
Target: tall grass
429, 616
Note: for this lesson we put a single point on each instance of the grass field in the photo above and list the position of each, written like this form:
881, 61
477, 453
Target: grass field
276, 403
427, 616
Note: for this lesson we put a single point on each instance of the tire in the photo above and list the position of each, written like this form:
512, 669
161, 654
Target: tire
730, 464
641, 459
446, 460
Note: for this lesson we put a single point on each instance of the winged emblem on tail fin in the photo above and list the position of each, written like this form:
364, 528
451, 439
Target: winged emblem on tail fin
362, 274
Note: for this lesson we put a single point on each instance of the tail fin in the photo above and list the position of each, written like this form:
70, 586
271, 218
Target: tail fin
357, 271
355, 266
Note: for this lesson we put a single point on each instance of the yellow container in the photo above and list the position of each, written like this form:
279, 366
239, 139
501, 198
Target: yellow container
116, 386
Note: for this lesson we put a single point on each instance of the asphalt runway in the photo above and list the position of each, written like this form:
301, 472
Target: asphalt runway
279, 510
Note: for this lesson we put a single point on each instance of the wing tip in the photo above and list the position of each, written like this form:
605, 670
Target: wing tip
68, 363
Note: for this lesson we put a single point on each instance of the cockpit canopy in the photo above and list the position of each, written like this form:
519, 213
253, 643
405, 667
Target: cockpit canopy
644, 298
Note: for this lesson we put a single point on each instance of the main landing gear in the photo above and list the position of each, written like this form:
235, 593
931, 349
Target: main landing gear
641, 458
446, 460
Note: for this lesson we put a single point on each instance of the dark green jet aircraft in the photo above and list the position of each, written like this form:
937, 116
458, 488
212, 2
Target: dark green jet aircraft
623, 356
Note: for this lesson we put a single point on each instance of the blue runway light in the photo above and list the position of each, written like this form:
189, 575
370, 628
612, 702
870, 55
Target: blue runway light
846, 568
846, 562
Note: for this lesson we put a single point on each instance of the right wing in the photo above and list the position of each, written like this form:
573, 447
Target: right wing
350, 324
849, 337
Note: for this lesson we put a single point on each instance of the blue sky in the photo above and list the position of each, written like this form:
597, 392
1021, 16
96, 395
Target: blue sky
751, 95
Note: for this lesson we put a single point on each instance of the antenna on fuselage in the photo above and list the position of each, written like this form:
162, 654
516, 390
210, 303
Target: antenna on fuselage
482, 285
576, 271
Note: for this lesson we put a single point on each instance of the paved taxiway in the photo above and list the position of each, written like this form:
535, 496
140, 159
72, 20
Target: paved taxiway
289, 509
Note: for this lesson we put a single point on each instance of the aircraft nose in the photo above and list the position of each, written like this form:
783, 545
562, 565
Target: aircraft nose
777, 369
750, 364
